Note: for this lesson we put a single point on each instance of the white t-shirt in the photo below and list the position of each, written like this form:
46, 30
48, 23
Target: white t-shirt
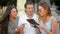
28, 28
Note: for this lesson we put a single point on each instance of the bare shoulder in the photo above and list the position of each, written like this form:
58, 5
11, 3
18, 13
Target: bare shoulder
54, 21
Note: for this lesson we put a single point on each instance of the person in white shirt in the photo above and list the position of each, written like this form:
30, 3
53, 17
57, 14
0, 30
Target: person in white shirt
29, 14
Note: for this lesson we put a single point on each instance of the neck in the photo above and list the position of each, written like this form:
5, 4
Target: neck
12, 19
30, 15
45, 19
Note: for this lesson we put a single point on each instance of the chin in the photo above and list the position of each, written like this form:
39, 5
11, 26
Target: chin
31, 13
41, 15
14, 16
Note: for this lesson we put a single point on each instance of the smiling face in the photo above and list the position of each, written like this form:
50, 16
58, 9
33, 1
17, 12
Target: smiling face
29, 9
13, 13
42, 11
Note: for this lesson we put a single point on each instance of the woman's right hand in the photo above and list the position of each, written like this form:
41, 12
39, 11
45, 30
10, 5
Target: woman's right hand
19, 28
40, 26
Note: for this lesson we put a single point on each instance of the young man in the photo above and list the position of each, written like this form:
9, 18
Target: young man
29, 10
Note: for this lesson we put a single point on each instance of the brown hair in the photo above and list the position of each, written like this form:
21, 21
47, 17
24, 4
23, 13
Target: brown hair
28, 3
46, 7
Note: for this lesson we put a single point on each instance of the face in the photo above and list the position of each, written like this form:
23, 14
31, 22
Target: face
29, 9
41, 11
13, 13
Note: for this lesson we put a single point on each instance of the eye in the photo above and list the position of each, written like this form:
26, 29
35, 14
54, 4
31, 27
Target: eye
14, 11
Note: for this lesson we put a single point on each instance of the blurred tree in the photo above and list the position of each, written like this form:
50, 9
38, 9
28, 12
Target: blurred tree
52, 1
8, 2
34, 1
3, 2
57, 2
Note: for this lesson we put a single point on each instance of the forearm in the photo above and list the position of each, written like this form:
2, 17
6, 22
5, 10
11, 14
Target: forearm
47, 31
21, 31
38, 31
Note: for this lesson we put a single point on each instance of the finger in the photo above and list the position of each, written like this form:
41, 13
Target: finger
38, 23
23, 25
15, 30
37, 26
32, 25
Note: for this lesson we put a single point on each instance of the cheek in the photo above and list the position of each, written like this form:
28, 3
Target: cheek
43, 12
14, 14
32, 9
29, 11
39, 12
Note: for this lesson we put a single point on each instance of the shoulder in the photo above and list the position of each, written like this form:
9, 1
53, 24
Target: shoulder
35, 16
22, 17
54, 21
17, 17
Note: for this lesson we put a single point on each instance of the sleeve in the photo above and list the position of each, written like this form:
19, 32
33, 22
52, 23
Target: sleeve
20, 21
36, 18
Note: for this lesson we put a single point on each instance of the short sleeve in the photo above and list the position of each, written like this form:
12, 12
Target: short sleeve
36, 18
20, 22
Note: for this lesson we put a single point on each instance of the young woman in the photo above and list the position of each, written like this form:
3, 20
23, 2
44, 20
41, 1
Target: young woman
10, 21
47, 23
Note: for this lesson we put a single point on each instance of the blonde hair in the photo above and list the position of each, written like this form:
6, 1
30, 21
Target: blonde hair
46, 7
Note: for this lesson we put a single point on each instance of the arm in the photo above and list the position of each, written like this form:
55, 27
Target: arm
54, 26
19, 29
37, 30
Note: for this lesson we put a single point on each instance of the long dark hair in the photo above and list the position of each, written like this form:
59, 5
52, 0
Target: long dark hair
5, 19
6, 14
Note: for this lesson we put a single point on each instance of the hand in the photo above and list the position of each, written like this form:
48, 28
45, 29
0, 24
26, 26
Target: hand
19, 28
32, 25
38, 30
40, 26
15, 31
